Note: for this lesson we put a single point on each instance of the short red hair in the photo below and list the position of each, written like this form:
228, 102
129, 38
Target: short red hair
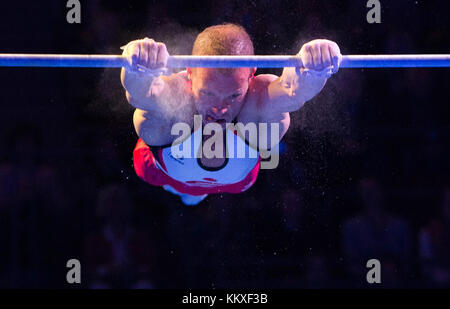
225, 39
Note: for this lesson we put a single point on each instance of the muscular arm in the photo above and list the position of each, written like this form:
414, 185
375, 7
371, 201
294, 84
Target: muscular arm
275, 97
294, 87
166, 103
290, 91
141, 89
260, 110
159, 101
272, 98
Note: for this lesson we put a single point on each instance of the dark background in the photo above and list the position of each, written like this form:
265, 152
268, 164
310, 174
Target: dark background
372, 139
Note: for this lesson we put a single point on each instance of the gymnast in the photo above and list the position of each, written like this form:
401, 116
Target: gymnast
218, 95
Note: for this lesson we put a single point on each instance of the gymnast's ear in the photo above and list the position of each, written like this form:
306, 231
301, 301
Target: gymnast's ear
189, 73
252, 73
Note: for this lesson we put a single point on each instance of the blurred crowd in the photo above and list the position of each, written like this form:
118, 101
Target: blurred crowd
364, 169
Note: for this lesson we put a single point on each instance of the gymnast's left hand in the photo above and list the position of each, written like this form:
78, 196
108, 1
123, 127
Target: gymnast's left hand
320, 55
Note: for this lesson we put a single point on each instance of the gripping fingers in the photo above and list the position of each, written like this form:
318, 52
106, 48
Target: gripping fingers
143, 54
146, 55
326, 56
336, 57
317, 57
321, 57
132, 52
163, 55
306, 56
151, 54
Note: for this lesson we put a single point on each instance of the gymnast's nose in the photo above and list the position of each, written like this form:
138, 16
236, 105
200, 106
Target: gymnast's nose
219, 111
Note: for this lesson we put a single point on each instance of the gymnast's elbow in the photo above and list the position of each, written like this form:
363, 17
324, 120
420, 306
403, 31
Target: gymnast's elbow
142, 103
145, 97
141, 86
295, 101
285, 96
292, 102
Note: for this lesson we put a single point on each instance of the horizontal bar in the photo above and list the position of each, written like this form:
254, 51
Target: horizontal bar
351, 61
396, 61
116, 61
53, 60
234, 61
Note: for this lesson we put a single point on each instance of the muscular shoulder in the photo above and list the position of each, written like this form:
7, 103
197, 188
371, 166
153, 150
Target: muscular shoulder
257, 91
173, 105
180, 76
261, 81
178, 81
164, 87
258, 87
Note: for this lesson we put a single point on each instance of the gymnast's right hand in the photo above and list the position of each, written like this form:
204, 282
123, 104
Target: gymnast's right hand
146, 55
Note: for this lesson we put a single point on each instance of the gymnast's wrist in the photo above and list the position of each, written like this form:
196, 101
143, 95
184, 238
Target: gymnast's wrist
308, 73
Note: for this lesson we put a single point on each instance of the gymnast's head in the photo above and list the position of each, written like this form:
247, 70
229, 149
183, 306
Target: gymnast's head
220, 93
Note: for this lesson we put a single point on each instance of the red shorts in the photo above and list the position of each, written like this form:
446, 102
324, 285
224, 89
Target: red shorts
146, 169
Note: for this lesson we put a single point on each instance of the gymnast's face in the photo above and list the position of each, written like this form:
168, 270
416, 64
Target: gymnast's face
219, 94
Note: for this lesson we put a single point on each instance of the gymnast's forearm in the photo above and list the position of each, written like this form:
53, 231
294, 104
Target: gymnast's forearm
301, 87
141, 78
139, 85
319, 60
143, 91
290, 92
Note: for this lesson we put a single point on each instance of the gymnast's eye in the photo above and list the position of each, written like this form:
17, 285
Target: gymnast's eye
206, 93
235, 96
